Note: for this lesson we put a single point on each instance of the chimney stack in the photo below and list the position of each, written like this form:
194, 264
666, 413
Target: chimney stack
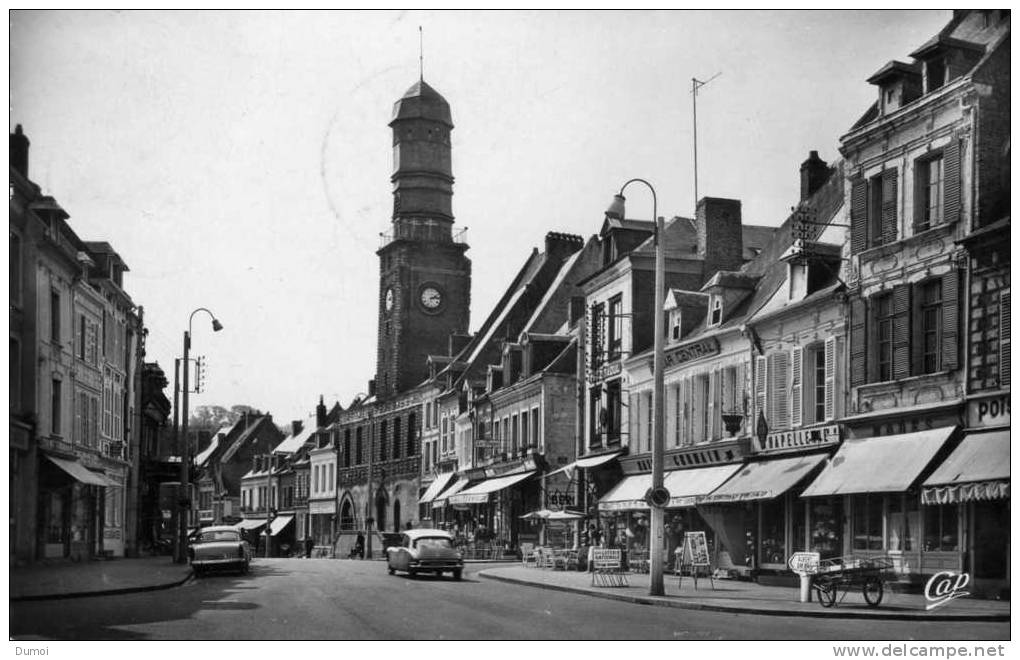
19, 151
813, 173
296, 426
720, 235
561, 245
320, 414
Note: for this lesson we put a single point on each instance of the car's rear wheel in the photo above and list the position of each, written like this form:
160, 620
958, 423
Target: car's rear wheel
457, 574
245, 568
390, 570
412, 572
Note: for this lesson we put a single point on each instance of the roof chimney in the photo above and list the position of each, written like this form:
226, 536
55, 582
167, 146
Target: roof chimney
561, 245
19, 151
320, 414
813, 173
720, 237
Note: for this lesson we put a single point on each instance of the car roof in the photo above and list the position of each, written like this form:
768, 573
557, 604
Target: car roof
420, 533
218, 528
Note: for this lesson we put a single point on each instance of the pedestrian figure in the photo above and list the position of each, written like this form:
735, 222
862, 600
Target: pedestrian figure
359, 547
309, 544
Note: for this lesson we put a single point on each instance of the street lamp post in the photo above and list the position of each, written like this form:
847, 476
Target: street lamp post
658, 496
185, 445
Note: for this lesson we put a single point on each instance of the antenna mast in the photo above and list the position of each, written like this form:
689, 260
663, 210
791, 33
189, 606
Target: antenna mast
695, 86
421, 55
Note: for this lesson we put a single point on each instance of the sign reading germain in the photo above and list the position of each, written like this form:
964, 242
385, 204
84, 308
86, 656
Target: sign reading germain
800, 439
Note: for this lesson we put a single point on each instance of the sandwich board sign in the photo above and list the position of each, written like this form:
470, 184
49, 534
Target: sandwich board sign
694, 555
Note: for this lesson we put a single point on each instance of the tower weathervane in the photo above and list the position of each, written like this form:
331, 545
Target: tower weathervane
421, 55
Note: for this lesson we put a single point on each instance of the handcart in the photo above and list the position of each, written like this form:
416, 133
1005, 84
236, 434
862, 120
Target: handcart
848, 573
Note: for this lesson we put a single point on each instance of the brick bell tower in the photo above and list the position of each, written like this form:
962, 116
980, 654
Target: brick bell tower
424, 274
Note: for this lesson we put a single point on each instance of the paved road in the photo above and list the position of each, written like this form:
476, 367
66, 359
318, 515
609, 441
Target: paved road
327, 599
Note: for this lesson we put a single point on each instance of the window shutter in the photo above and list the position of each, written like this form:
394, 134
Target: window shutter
760, 387
670, 410
916, 334
797, 389
858, 344
830, 378
685, 411
1004, 338
858, 215
635, 421
901, 332
740, 389
951, 184
714, 413
950, 320
889, 179
779, 390
699, 407
649, 421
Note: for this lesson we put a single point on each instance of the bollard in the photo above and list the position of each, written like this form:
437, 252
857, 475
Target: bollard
805, 588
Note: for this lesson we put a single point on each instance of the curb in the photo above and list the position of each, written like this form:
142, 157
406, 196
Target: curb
107, 592
820, 614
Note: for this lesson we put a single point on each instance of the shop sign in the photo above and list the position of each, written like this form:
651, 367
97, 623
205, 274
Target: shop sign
111, 533
527, 465
686, 458
804, 563
993, 411
322, 506
560, 498
800, 439
691, 352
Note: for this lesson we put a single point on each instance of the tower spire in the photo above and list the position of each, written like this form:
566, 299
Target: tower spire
421, 55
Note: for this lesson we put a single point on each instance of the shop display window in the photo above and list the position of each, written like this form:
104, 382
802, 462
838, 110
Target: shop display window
798, 526
941, 528
867, 522
53, 514
773, 532
904, 523
827, 526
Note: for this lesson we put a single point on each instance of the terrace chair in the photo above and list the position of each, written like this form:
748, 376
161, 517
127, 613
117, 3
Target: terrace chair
528, 553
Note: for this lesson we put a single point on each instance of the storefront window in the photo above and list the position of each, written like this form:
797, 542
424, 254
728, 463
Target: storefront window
867, 522
798, 526
773, 531
827, 526
54, 517
904, 523
941, 528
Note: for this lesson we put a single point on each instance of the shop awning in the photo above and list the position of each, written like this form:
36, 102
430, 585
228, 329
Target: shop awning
249, 523
436, 487
689, 487
479, 494
978, 469
628, 494
886, 464
79, 472
457, 486
588, 462
279, 522
764, 480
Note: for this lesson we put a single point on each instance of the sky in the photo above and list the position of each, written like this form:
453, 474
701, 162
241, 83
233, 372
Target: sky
241, 161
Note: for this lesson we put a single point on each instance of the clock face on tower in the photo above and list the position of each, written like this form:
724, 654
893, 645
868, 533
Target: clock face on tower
389, 300
431, 298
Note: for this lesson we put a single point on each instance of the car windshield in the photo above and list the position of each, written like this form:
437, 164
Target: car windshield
220, 535
432, 542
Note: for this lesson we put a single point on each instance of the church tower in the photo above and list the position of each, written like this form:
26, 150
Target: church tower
424, 274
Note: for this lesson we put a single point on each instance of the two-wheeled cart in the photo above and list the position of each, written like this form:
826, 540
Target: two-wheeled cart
849, 573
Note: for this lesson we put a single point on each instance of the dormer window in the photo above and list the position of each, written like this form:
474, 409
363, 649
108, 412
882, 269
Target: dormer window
934, 73
675, 326
715, 313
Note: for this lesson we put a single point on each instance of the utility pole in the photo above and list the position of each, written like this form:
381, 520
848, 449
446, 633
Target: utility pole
179, 551
370, 519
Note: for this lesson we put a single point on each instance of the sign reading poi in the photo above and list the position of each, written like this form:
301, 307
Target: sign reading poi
804, 563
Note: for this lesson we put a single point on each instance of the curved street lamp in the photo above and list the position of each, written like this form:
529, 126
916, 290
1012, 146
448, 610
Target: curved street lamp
184, 445
657, 496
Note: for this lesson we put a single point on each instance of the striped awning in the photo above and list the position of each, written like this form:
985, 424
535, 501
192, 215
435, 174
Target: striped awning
436, 487
457, 486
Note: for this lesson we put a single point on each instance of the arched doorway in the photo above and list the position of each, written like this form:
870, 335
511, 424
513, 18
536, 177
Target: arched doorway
347, 515
380, 510
396, 516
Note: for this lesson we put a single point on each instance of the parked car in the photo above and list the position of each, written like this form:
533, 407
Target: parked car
219, 548
425, 551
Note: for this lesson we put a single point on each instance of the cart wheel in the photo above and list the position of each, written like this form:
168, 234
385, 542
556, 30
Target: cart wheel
826, 594
873, 591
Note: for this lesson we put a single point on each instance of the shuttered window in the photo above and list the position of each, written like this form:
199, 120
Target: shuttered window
760, 387
900, 331
930, 320
858, 341
882, 329
797, 386
634, 414
1004, 343
670, 414
830, 378
873, 217
779, 390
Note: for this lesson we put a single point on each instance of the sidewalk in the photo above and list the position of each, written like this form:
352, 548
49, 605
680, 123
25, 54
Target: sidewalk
115, 576
749, 597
